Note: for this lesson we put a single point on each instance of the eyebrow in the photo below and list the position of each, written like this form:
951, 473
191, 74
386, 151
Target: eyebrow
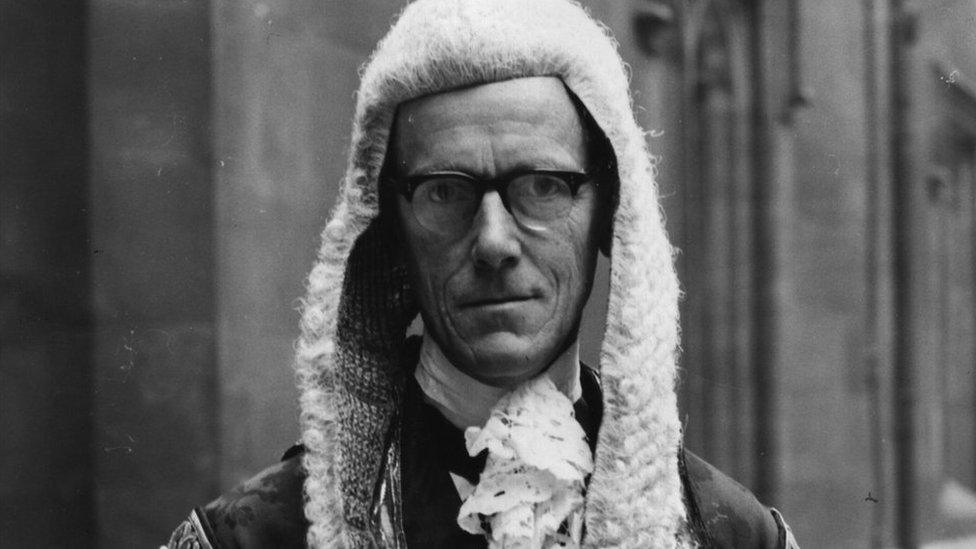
520, 166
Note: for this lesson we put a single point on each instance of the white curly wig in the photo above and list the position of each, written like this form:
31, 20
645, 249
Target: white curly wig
357, 308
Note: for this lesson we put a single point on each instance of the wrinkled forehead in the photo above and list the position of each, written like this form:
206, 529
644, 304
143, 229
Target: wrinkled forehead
543, 103
535, 99
500, 123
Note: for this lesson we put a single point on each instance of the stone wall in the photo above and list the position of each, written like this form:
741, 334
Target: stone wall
151, 216
46, 462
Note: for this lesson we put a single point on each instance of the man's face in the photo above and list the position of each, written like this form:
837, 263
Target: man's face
502, 300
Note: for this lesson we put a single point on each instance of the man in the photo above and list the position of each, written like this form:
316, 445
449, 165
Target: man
494, 154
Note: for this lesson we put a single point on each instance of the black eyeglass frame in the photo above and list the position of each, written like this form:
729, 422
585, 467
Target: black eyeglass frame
406, 186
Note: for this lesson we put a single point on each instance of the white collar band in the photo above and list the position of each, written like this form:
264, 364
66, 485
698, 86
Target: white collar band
467, 402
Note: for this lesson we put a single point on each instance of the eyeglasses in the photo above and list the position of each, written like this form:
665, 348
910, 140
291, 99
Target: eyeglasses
447, 202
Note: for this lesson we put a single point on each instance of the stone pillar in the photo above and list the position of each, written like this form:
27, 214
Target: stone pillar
45, 377
151, 225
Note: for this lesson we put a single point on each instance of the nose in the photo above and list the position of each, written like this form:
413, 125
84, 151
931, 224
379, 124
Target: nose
496, 244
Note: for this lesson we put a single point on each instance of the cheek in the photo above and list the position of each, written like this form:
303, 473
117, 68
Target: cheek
574, 265
432, 265
420, 252
579, 250
566, 260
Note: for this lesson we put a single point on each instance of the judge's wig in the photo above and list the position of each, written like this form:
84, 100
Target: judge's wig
359, 304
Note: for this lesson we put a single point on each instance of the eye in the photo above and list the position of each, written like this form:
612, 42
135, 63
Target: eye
543, 186
446, 191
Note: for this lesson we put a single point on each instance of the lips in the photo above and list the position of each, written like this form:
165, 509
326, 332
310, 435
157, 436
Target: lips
487, 301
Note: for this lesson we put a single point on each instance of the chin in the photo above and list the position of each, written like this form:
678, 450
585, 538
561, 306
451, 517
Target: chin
505, 356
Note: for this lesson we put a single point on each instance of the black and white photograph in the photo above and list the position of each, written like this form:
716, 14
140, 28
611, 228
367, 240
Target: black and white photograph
493, 274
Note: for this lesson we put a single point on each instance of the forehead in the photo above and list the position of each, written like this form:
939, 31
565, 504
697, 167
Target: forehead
525, 122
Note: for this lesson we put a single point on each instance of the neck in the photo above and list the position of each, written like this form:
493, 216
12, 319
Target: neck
467, 402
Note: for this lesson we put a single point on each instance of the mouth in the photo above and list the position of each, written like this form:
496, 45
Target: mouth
496, 300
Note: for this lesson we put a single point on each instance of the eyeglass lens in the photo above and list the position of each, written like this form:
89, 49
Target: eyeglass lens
448, 205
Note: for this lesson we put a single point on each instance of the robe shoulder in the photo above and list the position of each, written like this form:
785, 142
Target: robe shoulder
264, 511
267, 511
725, 514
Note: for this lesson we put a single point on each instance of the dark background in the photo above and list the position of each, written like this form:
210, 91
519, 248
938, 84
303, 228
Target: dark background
166, 167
